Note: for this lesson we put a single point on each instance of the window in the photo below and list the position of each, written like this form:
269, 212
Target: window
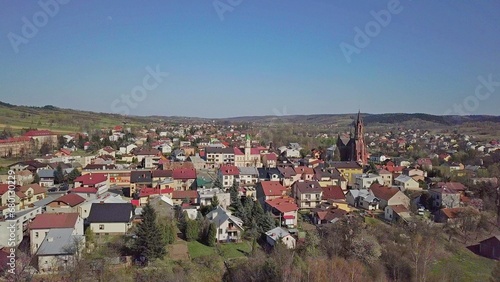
36, 234
220, 231
101, 226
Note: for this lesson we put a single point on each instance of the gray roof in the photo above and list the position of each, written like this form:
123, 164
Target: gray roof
277, 233
110, 212
46, 173
248, 170
45, 201
59, 241
359, 193
220, 216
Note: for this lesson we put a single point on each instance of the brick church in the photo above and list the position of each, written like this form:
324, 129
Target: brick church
354, 148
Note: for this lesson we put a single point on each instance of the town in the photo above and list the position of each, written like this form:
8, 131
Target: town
209, 201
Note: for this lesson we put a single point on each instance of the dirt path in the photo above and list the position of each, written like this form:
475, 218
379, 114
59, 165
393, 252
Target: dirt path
179, 250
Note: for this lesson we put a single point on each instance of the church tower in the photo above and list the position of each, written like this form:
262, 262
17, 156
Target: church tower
248, 148
361, 156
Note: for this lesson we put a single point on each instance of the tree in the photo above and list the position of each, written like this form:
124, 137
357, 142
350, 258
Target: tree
89, 237
215, 202
59, 175
149, 243
36, 179
74, 174
45, 149
217, 183
233, 191
495, 274
192, 230
212, 233
168, 230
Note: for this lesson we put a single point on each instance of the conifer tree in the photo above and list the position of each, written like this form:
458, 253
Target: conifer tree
149, 242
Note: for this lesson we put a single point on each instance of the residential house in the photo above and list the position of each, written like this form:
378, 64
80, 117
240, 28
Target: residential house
405, 182
108, 197
110, 218
307, 194
289, 175
163, 206
43, 223
229, 227
386, 177
364, 181
304, 173
362, 199
140, 179
269, 160
334, 195
47, 177
446, 194
188, 196
205, 197
348, 169
389, 196
147, 192
267, 190
284, 209
280, 234
396, 213
68, 203
20, 221
59, 250
327, 214
218, 156
269, 174
107, 151
248, 175
227, 175
184, 178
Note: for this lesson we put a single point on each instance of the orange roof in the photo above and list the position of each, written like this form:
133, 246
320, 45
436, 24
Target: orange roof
283, 204
272, 188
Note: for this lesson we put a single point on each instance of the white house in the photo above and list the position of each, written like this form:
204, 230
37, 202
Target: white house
280, 234
229, 228
110, 218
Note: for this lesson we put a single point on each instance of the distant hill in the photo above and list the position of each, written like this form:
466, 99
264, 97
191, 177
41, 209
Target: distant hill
69, 120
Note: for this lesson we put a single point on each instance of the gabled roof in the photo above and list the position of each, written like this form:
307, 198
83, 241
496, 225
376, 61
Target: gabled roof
161, 173
184, 173
46, 173
59, 242
248, 170
84, 190
303, 169
229, 170
54, 220
92, 179
283, 204
403, 178
140, 176
70, 199
277, 233
271, 188
37, 189
146, 192
287, 171
308, 186
383, 192
266, 173
333, 192
110, 212
190, 194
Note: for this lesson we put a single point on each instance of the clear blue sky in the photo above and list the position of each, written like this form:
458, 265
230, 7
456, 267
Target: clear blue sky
262, 57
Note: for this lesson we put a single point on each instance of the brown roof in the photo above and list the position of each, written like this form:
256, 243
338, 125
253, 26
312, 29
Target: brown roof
308, 186
287, 171
191, 194
162, 173
333, 192
341, 164
54, 220
399, 209
37, 189
383, 192
303, 169
70, 199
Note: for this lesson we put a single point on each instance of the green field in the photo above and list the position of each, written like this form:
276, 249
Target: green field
464, 266
228, 251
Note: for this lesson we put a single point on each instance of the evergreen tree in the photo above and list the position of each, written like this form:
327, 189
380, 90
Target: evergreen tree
74, 174
267, 223
149, 241
59, 175
215, 202
234, 193
212, 234
36, 179
192, 230
218, 184
168, 233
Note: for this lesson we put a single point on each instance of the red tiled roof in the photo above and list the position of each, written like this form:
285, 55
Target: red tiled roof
92, 179
399, 209
191, 194
84, 190
54, 220
15, 139
70, 199
4, 188
184, 173
237, 151
32, 133
254, 151
161, 173
272, 188
283, 204
288, 216
229, 170
146, 192
271, 157
383, 192
304, 169
451, 187
333, 193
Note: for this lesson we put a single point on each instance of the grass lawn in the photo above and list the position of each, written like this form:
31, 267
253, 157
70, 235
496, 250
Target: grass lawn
235, 250
197, 249
466, 266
